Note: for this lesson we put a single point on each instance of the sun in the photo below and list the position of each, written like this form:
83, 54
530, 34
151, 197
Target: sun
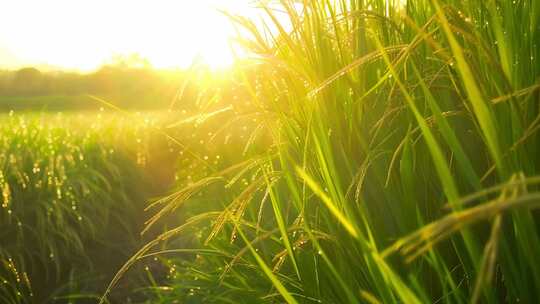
83, 35
184, 31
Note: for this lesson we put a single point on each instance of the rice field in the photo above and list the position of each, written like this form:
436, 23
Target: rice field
70, 196
377, 152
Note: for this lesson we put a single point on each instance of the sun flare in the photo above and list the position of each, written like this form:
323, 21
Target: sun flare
83, 35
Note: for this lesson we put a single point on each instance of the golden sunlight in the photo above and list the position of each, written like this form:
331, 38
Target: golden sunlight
82, 35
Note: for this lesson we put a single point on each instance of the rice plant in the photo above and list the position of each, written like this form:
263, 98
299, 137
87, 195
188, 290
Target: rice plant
393, 159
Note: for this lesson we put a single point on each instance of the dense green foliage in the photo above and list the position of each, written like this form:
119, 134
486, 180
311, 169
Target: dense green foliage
399, 166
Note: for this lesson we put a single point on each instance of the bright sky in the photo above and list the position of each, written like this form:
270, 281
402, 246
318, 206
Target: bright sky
82, 34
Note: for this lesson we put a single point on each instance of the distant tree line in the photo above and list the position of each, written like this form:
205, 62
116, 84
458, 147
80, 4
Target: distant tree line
127, 85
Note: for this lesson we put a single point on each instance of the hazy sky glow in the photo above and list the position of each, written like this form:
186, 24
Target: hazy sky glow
77, 34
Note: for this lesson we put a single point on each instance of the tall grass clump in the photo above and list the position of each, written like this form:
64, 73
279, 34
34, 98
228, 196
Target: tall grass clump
393, 159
